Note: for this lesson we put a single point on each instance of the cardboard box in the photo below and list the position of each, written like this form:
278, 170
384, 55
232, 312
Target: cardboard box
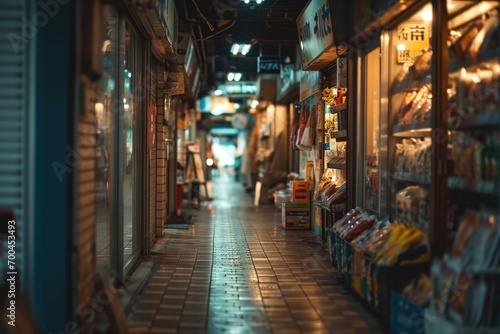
300, 192
295, 216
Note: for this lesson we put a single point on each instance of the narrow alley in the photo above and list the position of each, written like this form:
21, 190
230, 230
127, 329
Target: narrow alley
235, 270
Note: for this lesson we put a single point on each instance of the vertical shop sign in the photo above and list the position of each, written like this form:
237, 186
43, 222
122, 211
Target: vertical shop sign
168, 16
315, 30
175, 83
151, 128
412, 39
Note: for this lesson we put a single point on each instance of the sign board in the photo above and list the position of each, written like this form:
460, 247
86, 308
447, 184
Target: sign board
322, 27
310, 83
268, 65
175, 83
168, 17
412, 39
239, 121
241, 88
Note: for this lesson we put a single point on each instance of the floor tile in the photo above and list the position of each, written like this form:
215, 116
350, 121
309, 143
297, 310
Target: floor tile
235, 270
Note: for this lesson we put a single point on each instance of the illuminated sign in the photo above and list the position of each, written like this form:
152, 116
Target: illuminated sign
268, 65
241, 88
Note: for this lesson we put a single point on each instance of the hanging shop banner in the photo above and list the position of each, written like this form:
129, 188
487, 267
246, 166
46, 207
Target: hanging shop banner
268, 65
168, 17
413, 38
184, 47
175, 83
321, 24
309, 83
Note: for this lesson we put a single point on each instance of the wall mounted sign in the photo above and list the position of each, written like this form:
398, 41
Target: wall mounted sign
320, 26
412, 39
268, 65
241, 88
310, 83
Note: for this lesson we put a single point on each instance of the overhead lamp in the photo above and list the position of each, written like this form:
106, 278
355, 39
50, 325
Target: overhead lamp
256, 1
233, 76
240, 48
235, 48
254, 104
245, 49
218, 92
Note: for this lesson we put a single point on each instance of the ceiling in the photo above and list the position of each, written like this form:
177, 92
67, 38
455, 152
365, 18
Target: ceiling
215, 24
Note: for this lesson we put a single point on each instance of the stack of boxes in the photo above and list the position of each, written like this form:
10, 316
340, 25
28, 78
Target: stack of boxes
296, 215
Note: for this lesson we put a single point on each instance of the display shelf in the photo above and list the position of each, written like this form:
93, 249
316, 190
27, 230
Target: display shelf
412, 177
320, 204
415, 129
338, 108
338, 207
336, 163
339, 135
435, 323
485, 187
477, 122
411, 85
335, 166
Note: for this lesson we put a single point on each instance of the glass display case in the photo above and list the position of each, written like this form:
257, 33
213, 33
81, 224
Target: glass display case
407, 58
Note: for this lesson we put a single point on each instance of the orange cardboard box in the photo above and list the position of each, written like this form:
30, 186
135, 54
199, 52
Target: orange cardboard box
300, 192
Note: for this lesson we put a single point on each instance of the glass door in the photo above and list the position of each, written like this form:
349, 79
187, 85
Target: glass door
130, 143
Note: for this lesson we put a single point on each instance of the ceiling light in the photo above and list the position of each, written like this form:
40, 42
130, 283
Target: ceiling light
237, 77
218, 92
236, 106
245, 49
254, 104
427, 14
230, 76
235, 48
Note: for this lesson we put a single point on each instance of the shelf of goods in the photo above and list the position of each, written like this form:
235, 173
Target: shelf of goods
466, 279
377, 257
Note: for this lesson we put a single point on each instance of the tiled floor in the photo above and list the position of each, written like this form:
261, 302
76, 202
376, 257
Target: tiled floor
235, 270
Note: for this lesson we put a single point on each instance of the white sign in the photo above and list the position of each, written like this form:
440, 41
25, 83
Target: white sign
315, 30
309, 84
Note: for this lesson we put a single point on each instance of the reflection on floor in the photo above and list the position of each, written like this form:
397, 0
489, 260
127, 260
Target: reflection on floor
237, 271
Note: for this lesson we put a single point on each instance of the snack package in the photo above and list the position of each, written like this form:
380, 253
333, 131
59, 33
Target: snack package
406, 105
399, 159
469, 221
421, 66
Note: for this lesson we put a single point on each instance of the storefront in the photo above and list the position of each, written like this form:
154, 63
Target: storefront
422, 167
130, 109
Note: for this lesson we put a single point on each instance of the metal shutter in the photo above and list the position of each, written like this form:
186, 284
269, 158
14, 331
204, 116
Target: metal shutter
13, 119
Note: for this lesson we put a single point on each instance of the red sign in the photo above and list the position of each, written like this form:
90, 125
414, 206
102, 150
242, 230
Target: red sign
151, 126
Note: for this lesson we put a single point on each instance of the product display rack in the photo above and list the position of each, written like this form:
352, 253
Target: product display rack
473, 151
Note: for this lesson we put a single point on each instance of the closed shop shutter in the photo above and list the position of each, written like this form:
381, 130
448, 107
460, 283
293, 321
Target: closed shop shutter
152, 158
13, 121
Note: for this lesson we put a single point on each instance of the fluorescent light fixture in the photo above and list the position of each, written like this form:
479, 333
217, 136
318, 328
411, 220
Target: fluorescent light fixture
247, 1
129, 74
237, 77
235, 48
218, 92
245, 49
230, 76
236, 106
254, 104
259, 1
